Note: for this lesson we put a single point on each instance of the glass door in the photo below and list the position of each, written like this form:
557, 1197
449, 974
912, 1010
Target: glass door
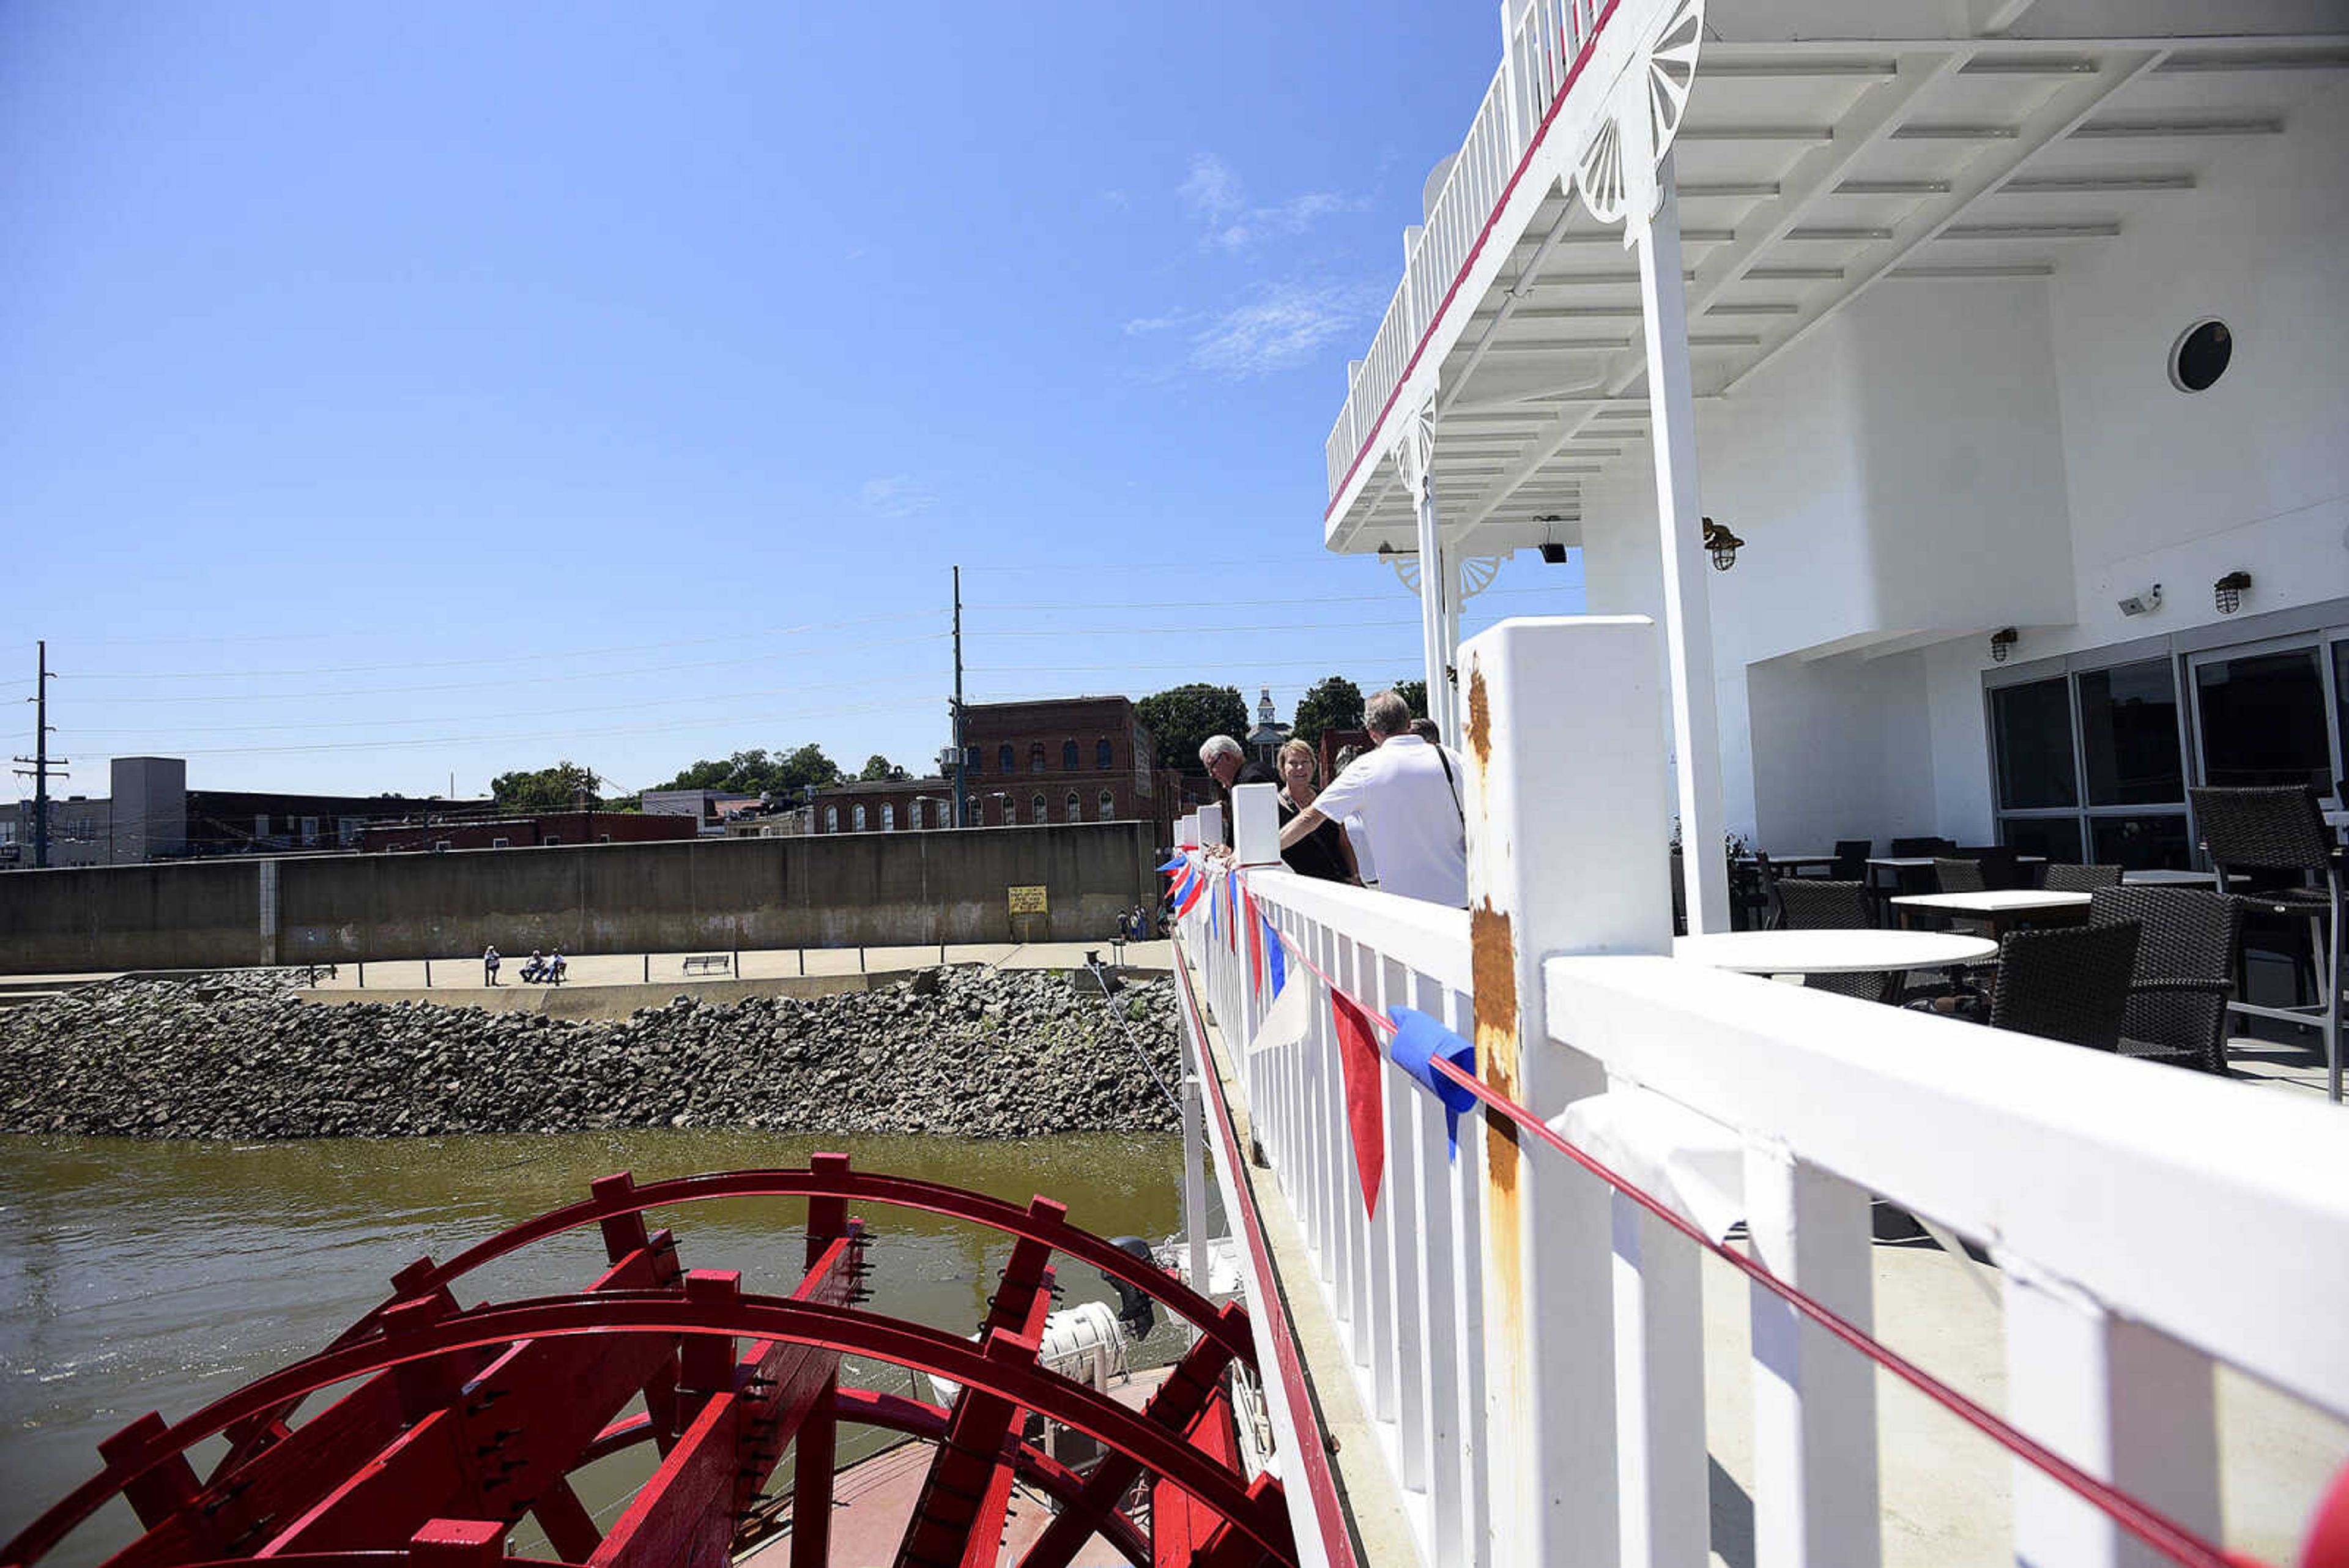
2267, 714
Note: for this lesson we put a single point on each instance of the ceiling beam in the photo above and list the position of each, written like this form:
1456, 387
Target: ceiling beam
2063, 112
1872, 116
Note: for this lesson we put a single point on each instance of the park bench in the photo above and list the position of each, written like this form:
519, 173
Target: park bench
704, 962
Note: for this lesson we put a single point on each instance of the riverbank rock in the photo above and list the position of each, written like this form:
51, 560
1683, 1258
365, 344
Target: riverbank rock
971, 1052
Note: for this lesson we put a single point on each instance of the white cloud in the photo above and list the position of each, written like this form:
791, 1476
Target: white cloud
1213, 195
896, 495
1286, 325
1143, 326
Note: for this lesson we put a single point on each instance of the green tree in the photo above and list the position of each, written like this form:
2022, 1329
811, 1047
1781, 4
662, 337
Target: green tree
879, 769
1180, 718
807, 765
760, 772
1415, 693
1333, 703
559, 788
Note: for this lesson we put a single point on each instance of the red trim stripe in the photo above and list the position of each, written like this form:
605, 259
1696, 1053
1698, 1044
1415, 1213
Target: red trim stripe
1337, 1540
1573, 74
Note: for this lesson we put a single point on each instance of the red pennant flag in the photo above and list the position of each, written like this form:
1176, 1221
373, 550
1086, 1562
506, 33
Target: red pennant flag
1256, 942
1357, 1060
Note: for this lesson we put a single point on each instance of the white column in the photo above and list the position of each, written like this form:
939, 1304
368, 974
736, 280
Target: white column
1688, 622
1436, 632
1541, 882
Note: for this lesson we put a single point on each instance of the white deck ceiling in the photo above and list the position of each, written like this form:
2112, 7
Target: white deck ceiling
1806, 171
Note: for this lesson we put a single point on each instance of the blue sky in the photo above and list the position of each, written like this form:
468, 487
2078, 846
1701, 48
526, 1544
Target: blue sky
390, 392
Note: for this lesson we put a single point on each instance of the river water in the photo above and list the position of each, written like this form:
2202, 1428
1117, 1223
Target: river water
139, 1276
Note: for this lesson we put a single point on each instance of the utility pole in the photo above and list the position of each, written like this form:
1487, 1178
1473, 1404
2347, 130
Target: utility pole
961, 739
40, 761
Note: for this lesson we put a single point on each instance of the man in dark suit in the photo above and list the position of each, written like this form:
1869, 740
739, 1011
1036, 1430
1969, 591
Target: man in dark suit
1230, 766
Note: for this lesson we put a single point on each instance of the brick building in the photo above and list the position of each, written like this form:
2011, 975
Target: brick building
1065, 759
883, 805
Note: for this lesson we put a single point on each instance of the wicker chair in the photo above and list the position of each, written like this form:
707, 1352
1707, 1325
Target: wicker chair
2062, 878
1903, 848
2280, 831
1959, 876
1999, 870
2070, 985
2185, 971
1815, 904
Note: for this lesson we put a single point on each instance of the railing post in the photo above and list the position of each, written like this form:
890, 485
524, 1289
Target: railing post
2122, 1400
1815, 1485
1211, 827
1195, 1131
1566, 849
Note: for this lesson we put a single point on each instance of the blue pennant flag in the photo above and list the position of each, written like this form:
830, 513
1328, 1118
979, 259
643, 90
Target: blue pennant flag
1216, 909
1176, 864
1276, 959
1421, 1041
1182, 893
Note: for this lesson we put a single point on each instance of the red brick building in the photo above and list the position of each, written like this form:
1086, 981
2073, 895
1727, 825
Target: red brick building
1066, 759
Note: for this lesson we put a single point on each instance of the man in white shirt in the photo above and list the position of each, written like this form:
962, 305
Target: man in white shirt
1407, 793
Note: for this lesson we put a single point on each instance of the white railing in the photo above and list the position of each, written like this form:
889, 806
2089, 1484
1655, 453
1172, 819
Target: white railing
1529, 1341
1545, 45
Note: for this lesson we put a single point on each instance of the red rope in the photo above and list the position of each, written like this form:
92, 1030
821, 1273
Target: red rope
2134, 1518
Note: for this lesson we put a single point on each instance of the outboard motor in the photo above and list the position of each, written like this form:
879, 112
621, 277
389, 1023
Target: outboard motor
1134, 1307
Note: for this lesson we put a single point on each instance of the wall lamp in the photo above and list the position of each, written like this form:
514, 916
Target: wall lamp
2001, 641
1552, 552
1722, 545
2229, 591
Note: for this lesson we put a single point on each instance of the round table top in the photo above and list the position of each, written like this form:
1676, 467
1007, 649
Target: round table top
1999, 902
1832, 952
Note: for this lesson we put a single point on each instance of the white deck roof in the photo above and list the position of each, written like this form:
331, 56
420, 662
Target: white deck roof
1808, 167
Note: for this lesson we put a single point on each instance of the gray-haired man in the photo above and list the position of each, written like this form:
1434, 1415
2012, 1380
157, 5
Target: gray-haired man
1407, 792
1230, 766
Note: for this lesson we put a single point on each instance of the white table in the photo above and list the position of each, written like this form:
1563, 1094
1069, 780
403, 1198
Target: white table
2167, 876
1832, 952
1998, 910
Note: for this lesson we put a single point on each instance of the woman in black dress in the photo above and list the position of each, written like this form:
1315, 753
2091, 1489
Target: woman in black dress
1324, 852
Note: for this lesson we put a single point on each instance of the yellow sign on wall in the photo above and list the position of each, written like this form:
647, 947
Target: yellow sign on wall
1027, 900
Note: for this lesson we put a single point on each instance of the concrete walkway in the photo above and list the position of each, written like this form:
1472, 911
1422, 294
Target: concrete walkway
463, 971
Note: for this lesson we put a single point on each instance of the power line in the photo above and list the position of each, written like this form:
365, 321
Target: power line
504, 658
728, 696
560, 735
517, 680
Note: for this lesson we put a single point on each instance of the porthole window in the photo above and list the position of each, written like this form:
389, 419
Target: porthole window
2201, 354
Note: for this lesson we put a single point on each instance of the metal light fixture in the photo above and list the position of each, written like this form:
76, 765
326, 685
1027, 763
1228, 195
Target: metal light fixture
2229, 591
2000, 640
1552, 553
1723, 544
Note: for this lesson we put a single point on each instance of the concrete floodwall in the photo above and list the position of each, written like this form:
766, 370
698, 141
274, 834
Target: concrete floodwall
871, 890
131, 917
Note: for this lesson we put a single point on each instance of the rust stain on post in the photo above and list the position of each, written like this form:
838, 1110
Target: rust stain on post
1493, 952
1480, 719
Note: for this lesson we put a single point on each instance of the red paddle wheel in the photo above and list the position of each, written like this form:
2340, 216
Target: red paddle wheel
462, 1423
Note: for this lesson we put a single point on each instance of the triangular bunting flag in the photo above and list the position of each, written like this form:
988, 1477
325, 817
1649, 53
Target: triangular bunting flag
1275, 960
1419, 1041
1358, 1061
